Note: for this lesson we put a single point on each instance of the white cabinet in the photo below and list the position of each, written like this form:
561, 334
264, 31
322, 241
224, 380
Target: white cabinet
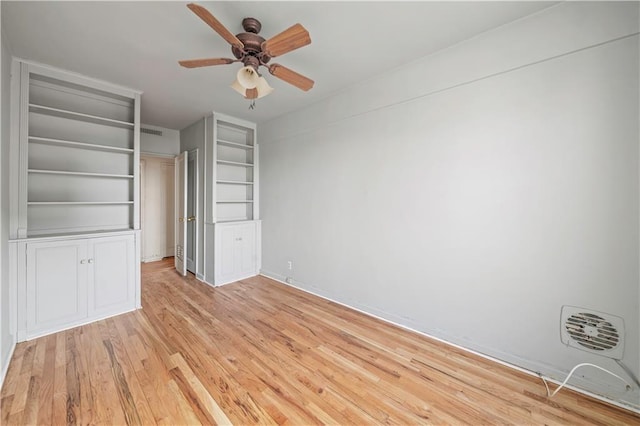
236, 251
232, 225
74, 198
74, 281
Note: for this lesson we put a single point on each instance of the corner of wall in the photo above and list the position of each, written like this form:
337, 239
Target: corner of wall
7, 327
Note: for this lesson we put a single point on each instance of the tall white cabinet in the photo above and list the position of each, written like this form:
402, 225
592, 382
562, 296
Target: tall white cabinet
232, 225
75, 221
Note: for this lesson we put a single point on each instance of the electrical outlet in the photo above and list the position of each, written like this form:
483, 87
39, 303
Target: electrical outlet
290, 263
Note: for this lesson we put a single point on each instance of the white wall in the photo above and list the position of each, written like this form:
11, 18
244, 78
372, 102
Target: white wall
166, 145
157, 207
472, 193
7, 337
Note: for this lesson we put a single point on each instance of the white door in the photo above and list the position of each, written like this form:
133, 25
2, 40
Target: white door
56, 284
246, 255
226, 253
192, 206
235, 252
111, 286
181, 213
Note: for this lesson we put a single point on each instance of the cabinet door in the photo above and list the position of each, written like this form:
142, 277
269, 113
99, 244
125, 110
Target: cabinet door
225, 267
56, 285
235, 252
245, 254
111, 275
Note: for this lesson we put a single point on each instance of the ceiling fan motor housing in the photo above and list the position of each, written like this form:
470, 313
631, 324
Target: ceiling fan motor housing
252, 43
592, 331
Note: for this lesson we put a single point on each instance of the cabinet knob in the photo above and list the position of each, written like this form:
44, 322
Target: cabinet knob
83, 261
90, 260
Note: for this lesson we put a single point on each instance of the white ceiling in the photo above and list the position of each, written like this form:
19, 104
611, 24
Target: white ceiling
138, 44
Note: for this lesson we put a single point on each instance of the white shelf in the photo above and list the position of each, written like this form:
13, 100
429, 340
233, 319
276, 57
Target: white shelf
71, 203
57, 112
74, 144
234, 144
234, 201
234, 163
61, 172
234, 182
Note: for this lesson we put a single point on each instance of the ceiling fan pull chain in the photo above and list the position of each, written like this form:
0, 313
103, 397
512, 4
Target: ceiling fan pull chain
252, 104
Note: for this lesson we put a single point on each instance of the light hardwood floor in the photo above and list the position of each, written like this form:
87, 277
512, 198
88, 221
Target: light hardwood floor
259, 352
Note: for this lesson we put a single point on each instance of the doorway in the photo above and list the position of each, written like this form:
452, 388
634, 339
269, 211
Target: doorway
156, 207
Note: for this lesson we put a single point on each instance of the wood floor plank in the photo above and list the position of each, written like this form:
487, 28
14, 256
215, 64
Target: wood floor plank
58, 415
260, 352
47, 385
73, 372
212, 411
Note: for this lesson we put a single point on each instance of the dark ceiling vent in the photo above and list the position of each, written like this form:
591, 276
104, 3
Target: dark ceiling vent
151, 131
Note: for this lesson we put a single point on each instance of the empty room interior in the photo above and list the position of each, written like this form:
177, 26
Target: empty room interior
320, 212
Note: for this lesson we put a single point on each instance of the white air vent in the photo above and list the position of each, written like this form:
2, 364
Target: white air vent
592, 331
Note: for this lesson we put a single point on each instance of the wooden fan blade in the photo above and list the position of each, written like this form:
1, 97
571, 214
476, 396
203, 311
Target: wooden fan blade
291, 77
290, 39
210, 20
196, 63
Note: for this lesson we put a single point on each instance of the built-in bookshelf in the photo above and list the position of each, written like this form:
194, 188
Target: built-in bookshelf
235, 166
81, 144
74, 203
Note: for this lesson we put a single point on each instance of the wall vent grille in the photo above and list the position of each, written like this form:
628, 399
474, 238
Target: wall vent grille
151, 131
592, 331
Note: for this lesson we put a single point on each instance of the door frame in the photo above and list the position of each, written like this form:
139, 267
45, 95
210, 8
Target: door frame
143, 198
180, 170
193, 155
169, 159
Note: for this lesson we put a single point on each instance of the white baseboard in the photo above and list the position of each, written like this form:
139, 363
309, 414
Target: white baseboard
624, 405
5, 367
24, 337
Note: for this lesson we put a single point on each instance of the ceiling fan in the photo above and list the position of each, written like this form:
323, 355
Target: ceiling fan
254, 51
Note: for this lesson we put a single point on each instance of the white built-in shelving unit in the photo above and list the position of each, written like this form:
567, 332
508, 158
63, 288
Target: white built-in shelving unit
81, 156
232, 216
235, 169
74, 198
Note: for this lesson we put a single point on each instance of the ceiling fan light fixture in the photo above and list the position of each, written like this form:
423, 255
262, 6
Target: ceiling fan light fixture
238, 88
263, 87
247, 77
260, 90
